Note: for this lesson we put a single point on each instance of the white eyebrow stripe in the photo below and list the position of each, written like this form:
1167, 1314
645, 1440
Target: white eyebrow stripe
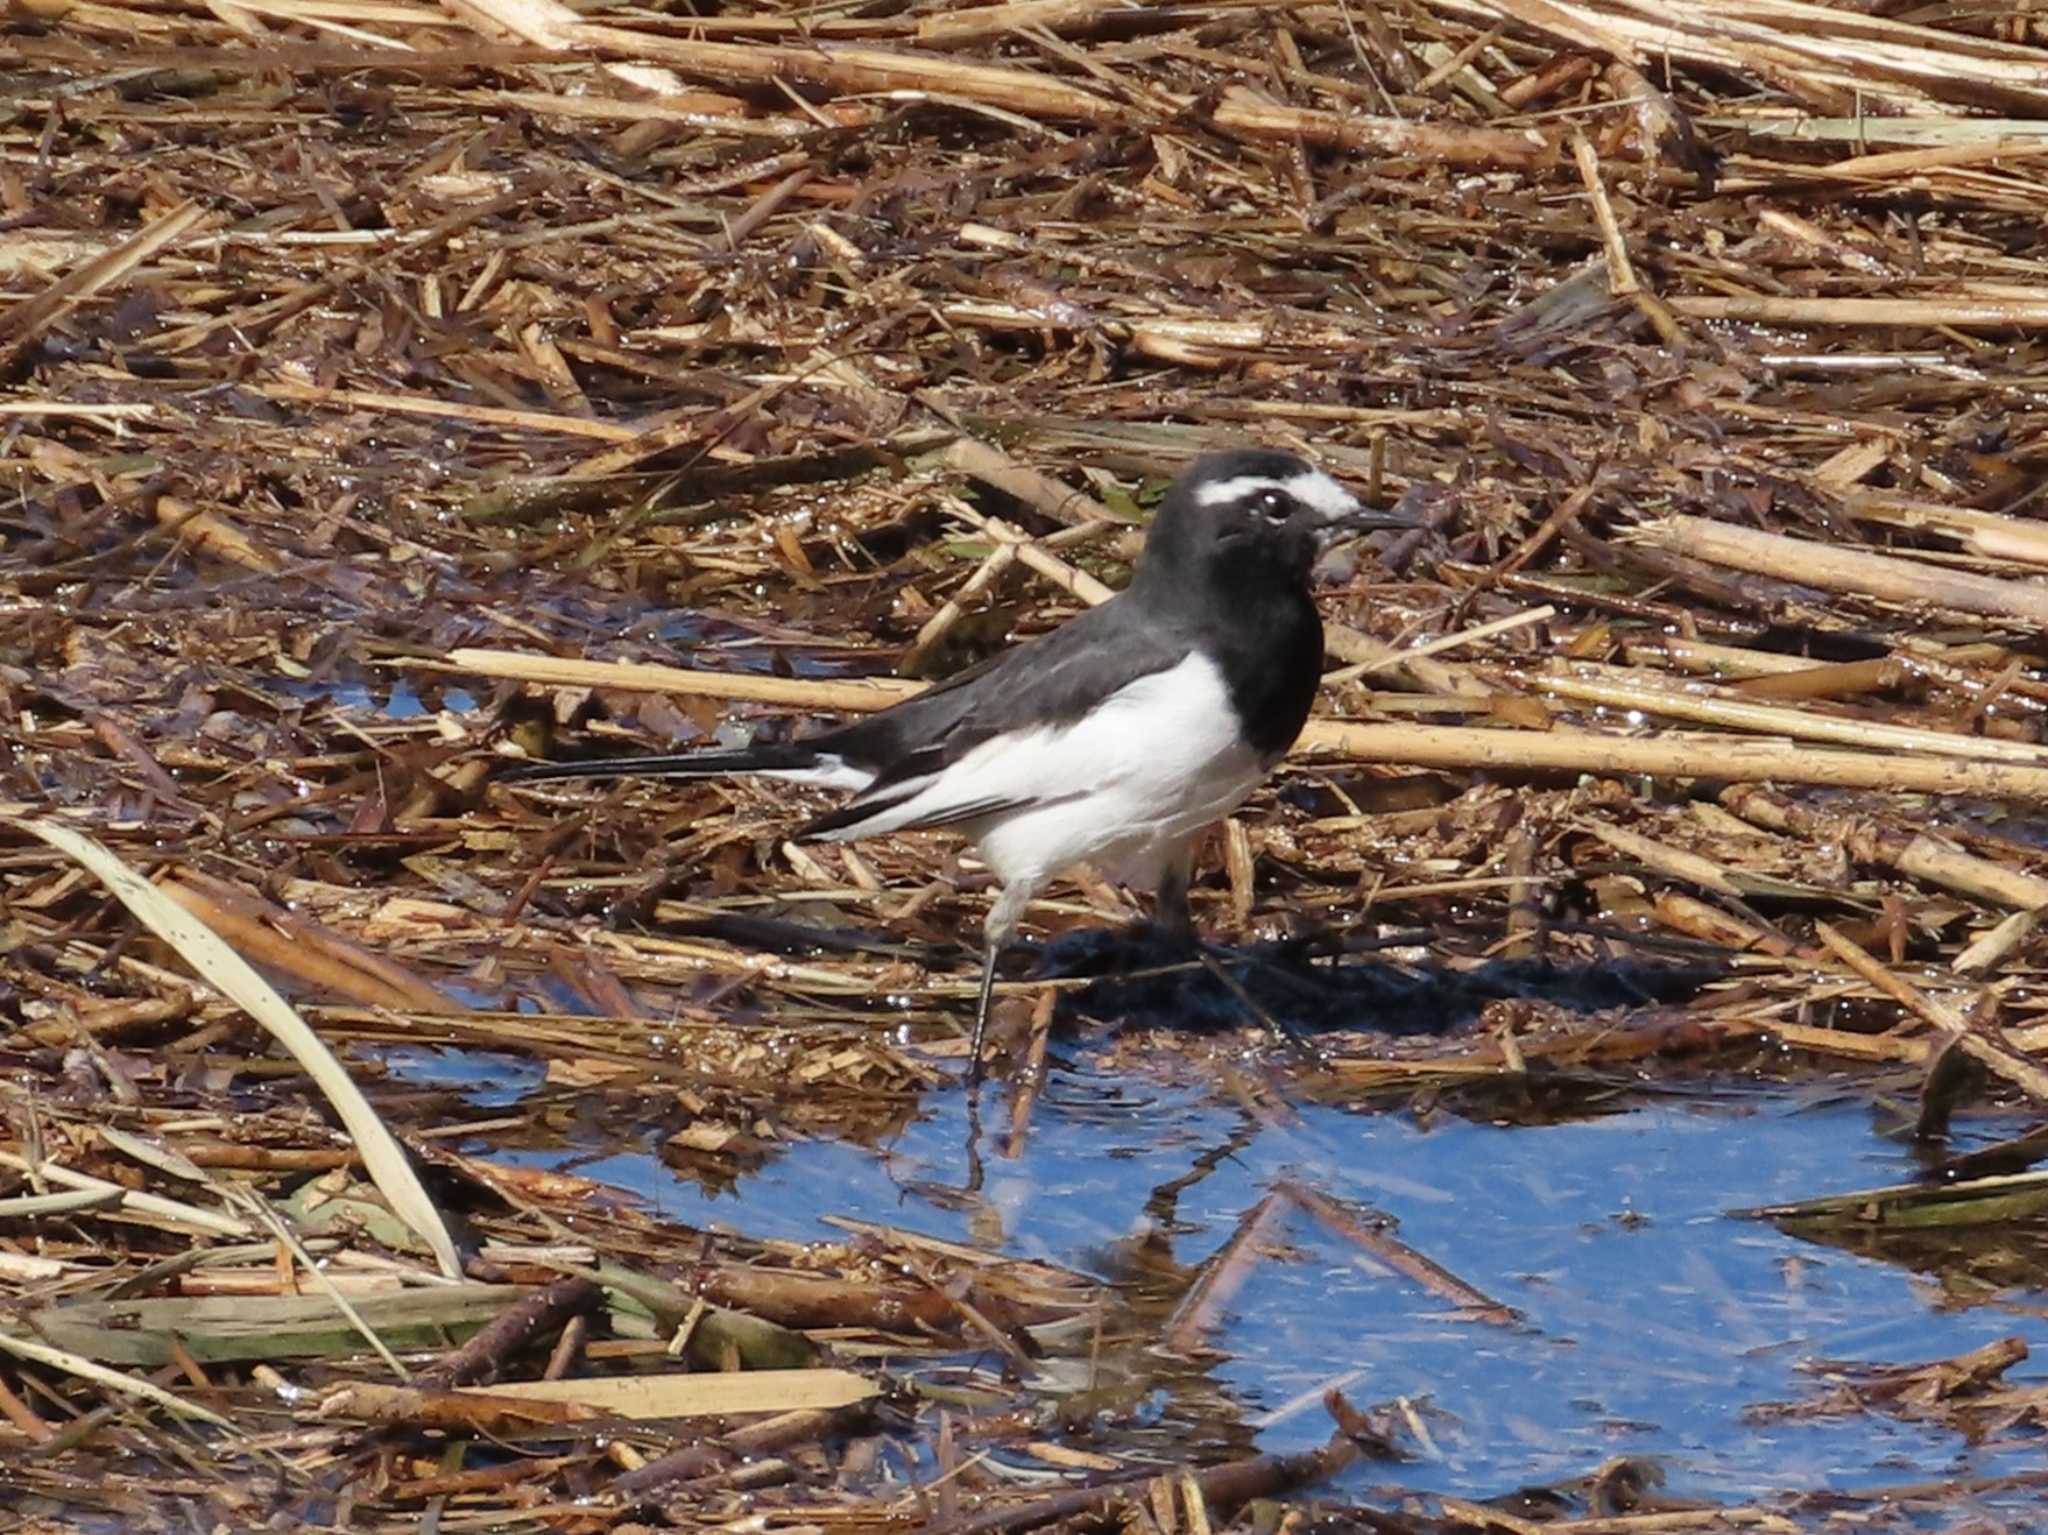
1318, 490
1312, 488
1217, 492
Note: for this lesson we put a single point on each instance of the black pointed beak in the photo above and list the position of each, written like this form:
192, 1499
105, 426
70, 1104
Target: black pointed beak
1363, 520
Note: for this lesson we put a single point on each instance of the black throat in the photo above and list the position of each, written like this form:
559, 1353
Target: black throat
1257, 622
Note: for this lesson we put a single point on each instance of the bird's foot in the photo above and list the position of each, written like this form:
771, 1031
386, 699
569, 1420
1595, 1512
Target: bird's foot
1153, 942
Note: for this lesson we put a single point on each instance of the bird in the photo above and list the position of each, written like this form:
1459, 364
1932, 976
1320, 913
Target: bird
1114, 740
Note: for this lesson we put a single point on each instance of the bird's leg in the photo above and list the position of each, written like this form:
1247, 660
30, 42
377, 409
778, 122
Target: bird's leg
1173, 924
997, 934
981, 1006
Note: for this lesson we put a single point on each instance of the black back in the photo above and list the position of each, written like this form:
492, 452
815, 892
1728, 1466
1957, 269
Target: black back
1229, 578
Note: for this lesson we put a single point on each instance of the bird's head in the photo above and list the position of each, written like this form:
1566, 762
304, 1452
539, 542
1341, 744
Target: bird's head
1254, 508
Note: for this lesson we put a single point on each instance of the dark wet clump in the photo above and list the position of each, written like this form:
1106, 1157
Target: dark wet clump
1148, 984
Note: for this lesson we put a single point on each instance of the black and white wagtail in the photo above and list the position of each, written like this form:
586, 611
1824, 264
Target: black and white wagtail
1112, 741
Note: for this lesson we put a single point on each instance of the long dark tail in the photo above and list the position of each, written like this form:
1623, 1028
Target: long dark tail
779, 758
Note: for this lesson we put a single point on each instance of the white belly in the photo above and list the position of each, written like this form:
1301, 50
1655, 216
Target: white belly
1121, 789
1128, 831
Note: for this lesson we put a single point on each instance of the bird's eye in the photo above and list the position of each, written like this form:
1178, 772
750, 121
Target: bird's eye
1273, 505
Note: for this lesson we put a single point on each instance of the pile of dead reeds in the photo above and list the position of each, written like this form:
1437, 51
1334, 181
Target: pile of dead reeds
387, 383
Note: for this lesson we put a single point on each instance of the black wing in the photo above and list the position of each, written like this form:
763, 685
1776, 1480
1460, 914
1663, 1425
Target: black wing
1050, 681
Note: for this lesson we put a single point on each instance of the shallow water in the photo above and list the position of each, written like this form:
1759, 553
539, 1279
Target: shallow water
1651, 1319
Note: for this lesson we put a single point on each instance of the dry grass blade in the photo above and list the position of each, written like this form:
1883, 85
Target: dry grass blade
1854, 571
1245, 112
1818, 53
1672, 755
1648, 694
1042, 492
215, 534
1912, 852
112, 1380
154, 1207
231, 1328
2019, 313
1993, 1053
1974, 1201
322, 1281
855, 69
715, 1394
220, 966
1983, 533
21, 325
304, 953
1399, 658
866, 694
